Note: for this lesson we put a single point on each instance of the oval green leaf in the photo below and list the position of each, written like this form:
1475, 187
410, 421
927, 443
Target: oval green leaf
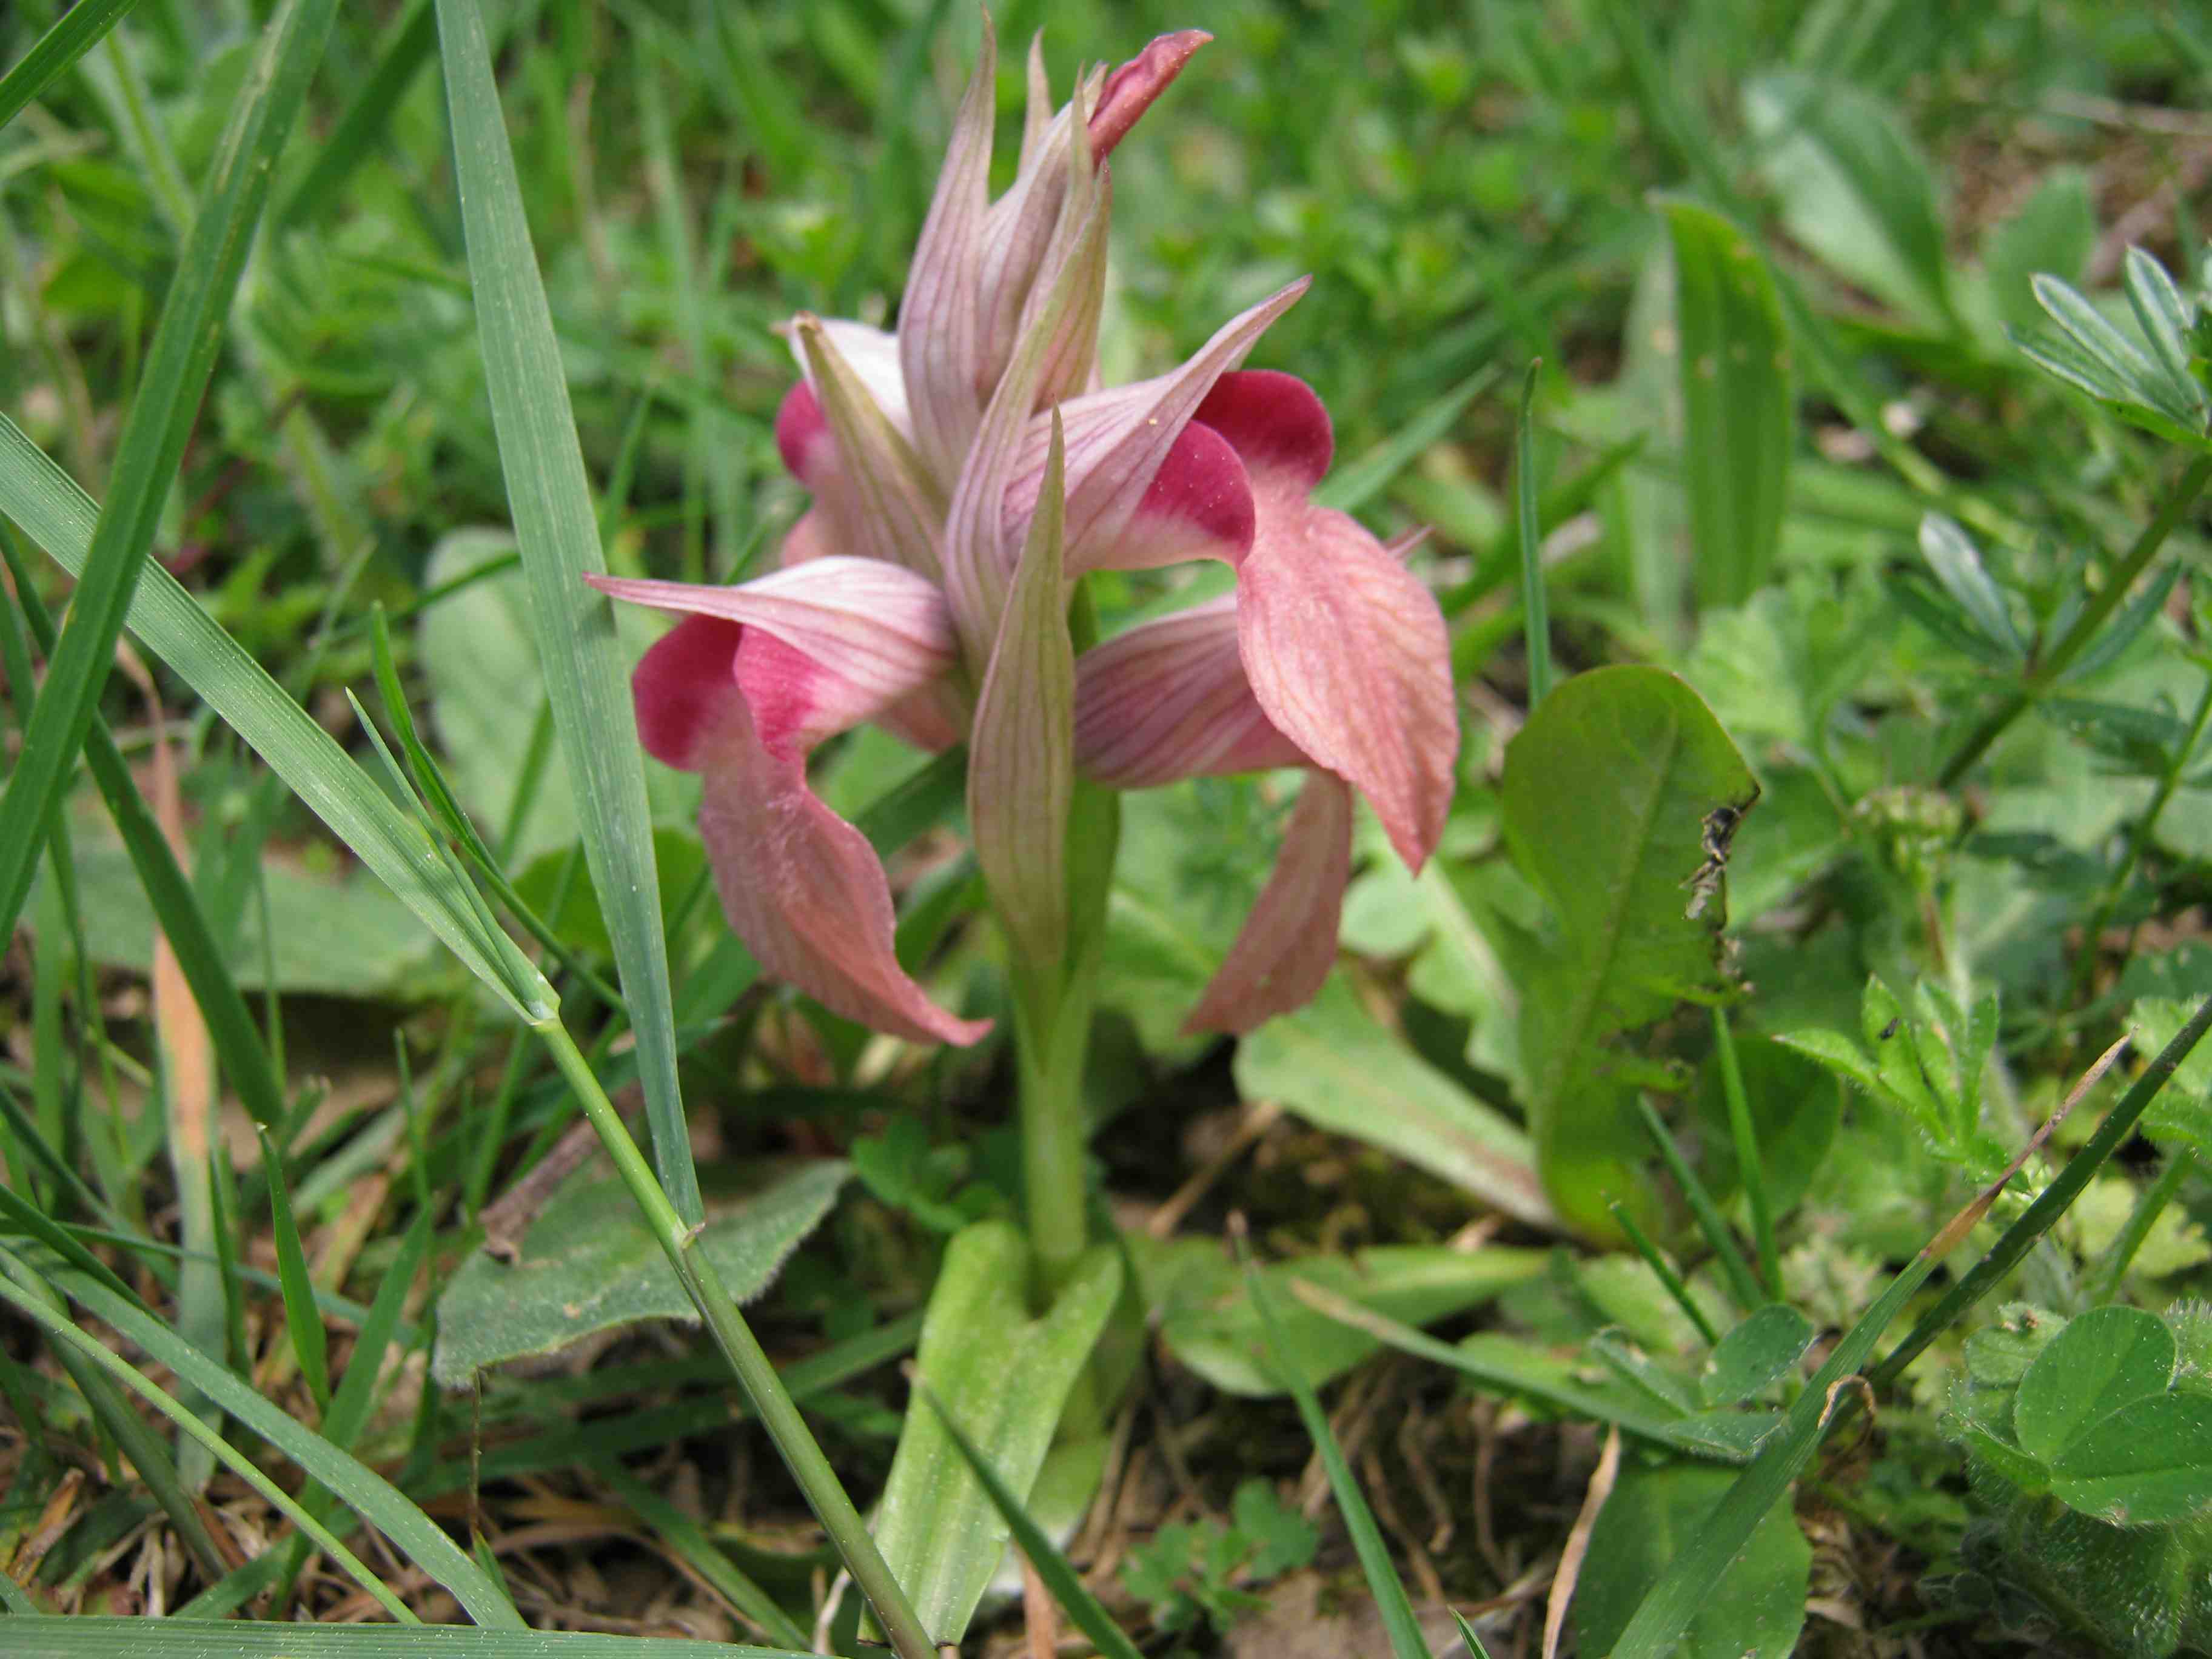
2105, 1359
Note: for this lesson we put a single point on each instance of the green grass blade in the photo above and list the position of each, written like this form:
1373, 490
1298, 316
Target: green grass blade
1388, 1590
303, 1321
58, 515
1352, 486
230, 1025
1746, 1136
159, 1638
17, 1600
132, 1434
59, 1329
365, 1492
73, 33
1742, 1281
1059, 1574
1537, 621
154, 431
2053, 1201
1493, 1368
586, 677
406, 48
1467, 1634
1665, 1612
222, 1203
688, 1539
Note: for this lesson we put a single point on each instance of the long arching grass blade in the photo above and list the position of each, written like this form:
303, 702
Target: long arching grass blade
183, 355
587, 679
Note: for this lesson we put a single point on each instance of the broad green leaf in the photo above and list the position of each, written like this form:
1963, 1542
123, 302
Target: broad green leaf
1620, 795
556, 527
2021, 1469
1333, 1065
1755, 1355
1757, 1609
156, 429
2149, 1463
1740, 414
1998, 1356
2104, 1359
589, 1263
1206, 1318
1853, 188
58, 515
1059, 1574
1003, 1376
163, 1638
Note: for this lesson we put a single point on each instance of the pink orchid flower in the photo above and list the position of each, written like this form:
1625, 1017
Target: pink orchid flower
964, 471
1329, 654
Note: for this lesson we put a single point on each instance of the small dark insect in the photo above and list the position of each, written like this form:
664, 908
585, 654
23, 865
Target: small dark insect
1890, 1029
1718, 835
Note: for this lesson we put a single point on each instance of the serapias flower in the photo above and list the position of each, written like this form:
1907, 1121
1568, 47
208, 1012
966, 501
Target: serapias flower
1329, 654
966, 471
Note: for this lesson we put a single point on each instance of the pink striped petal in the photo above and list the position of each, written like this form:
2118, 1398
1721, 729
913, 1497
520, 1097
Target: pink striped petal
1276, 424
1168, 700
1027, 239
938, 346
978, 564
1347, 653
685, 687
885, 503
1120, 442
1288, 944
801, 886
1130, 90
872, 633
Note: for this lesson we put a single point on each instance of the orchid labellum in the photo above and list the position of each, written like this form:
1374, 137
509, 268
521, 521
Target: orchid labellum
966, 472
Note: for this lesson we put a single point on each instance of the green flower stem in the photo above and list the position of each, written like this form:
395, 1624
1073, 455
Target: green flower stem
763, 1389
1052, 1041
2085, 627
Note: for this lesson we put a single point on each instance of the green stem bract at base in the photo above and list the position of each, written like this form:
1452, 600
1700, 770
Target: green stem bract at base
2076, 638
825, 1495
